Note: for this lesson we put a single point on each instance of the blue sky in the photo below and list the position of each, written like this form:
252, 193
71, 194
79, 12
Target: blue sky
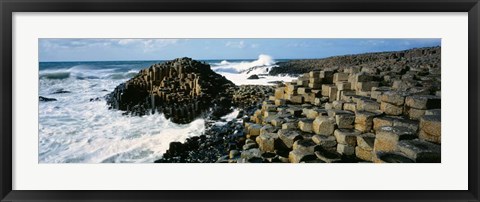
166, 49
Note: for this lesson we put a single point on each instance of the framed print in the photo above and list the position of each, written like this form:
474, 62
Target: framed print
242, 101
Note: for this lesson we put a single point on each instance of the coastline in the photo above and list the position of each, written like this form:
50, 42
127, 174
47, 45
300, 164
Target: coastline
317, 119
257, 134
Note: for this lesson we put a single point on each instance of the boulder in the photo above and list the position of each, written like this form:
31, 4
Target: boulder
382, 121
233, 154
250, 145
304, 90
253, 76
423, 101
338, 104
296, 156
412, 124
304, 144
323, 125
277, 122
314, 112
345, 120
387, 137
420, 151
344, 86
431, 124
366, 85
290, 125
391, 109
251, 156
46, 99
364, 121
390, 157
329, 156
393, 97
279, 92
366, 141
266, 141
346, 150
350, 106
254, 129
433, 112
368, 105
289, 136
295, 111
346, 136
325, 140
340, 76
364, 154
414, 113
305, 125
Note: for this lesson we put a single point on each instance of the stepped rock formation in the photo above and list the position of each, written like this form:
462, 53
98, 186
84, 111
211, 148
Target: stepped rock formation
182, 89
353, 115
365, 112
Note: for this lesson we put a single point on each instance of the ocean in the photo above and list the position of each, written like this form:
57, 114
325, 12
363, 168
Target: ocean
79, 128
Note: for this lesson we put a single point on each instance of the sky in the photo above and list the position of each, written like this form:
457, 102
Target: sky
203, 49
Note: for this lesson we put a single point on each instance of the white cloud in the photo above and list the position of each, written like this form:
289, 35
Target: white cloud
148, 45
51, 44
125, 41
300, 44
145, 45
234, 44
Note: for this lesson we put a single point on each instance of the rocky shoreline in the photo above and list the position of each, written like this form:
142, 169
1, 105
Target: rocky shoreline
389, 61
381, 107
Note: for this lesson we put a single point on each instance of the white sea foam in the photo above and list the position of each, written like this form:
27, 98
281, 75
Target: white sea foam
238, 72
242, 79
231, 115
261, 66
75, 130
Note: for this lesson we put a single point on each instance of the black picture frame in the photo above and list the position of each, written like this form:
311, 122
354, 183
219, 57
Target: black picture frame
8, 7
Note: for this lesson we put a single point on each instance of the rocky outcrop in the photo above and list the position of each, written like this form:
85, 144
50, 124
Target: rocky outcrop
182, 89
46, 99
254, 76
399, 61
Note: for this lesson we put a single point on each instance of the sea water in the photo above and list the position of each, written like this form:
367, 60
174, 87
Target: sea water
79, 128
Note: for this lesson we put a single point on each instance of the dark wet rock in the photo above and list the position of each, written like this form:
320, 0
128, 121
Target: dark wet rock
420, 151
217, 142
391, 157
46, 99
254, 76
327, 155
61, 91
95, 99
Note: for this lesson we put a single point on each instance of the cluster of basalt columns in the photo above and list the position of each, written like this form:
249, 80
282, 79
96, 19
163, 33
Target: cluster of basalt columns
349, 116
183, 89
